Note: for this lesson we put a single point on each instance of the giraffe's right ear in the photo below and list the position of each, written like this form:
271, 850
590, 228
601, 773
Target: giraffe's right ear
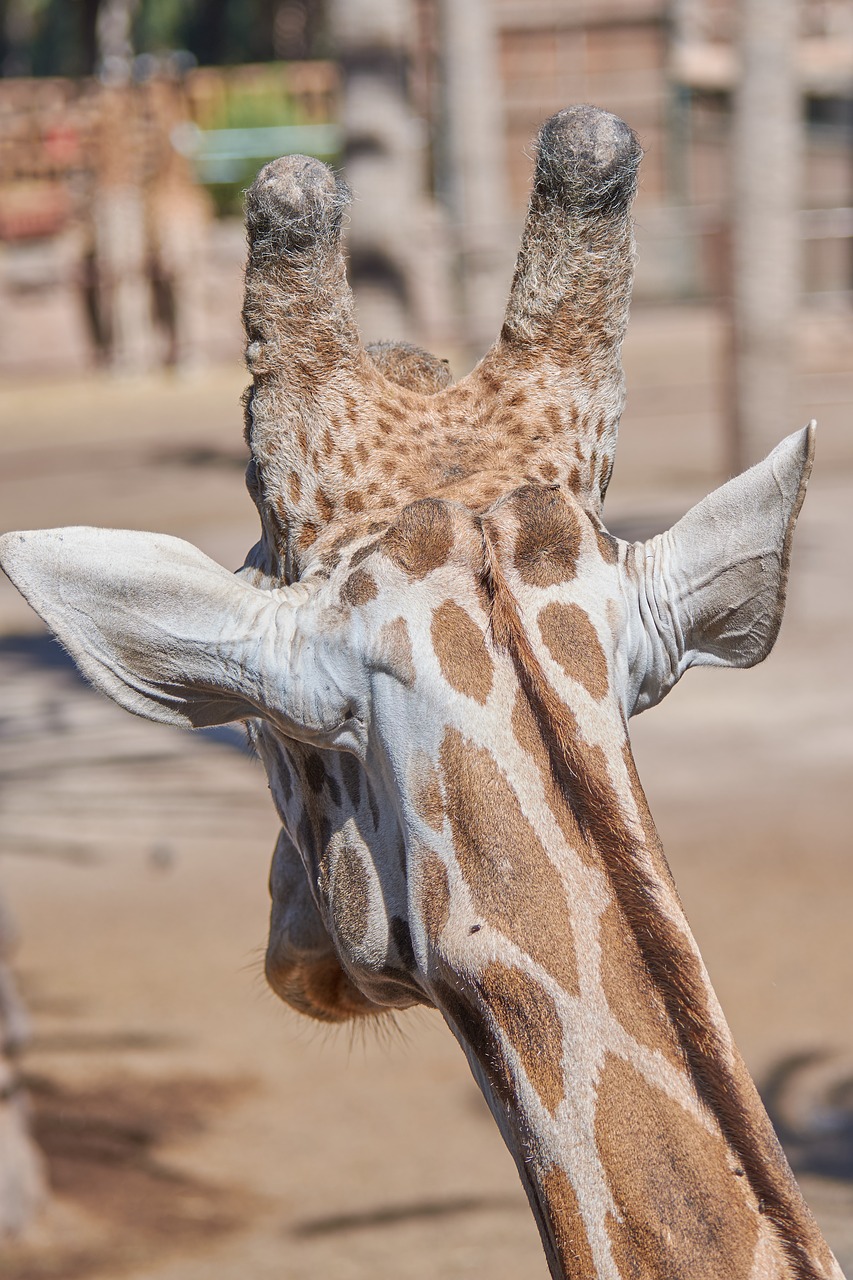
160, 628
711, 590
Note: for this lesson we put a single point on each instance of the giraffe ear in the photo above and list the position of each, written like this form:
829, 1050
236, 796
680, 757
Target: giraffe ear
152, 622
712, 588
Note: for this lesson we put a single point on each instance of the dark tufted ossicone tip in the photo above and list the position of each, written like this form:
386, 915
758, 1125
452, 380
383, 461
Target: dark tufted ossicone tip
294, 203
587, 161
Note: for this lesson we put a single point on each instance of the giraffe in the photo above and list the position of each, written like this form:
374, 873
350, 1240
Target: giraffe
436, 646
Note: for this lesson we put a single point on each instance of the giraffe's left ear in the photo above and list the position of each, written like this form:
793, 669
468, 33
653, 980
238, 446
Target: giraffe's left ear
711, 590
172, 636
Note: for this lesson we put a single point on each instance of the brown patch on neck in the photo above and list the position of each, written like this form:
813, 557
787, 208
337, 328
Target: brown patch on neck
527, 1015
460, 647
432, 891
633, 999
651, 839
359, 588
684, 1212
514, 885
567, 1230
573, 642
427, 798
528, 733
480, 1038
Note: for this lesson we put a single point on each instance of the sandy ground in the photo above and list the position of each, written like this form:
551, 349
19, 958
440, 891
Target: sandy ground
194, 1128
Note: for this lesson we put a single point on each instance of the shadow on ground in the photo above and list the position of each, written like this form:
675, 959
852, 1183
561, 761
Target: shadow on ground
102, 1147
809, 1097
32, 653
394, 1215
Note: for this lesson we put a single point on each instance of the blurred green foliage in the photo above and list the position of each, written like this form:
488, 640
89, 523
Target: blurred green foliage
269, 119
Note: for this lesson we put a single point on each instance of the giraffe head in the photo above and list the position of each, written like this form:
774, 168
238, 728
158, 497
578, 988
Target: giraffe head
437, 647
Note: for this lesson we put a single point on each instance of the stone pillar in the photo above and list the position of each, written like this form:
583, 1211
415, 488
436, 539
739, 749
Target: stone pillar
397, 237
476, 165
765, 241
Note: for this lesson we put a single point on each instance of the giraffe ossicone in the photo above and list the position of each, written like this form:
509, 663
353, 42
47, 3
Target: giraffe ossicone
437, 646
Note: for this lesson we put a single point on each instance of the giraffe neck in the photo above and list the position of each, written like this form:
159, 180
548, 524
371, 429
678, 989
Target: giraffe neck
638, 1134
573, 982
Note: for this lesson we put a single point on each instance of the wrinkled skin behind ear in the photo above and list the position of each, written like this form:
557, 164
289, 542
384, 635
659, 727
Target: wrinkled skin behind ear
711, 590
157, 626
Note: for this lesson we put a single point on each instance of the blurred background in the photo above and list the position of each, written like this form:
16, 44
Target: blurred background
131, 127
174, 1121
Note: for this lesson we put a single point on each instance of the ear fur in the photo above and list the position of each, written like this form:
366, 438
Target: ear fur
151, 621
713, 586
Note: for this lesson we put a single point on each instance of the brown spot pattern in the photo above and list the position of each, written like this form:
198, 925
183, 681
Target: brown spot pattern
358, 589
513, 883
325, 506
528, 733
573, 642
350, 896
433, 893
527, 1015
460, 647
396, 649
570, 1238
651, 839
478, 1034
421, 539
361, 553
554, 419
547, 542
608, 546
307, 536
426, 793
684, 1213
634, 1000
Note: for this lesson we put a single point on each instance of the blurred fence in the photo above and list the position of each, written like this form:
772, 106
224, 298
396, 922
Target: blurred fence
107, 196
120, 239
